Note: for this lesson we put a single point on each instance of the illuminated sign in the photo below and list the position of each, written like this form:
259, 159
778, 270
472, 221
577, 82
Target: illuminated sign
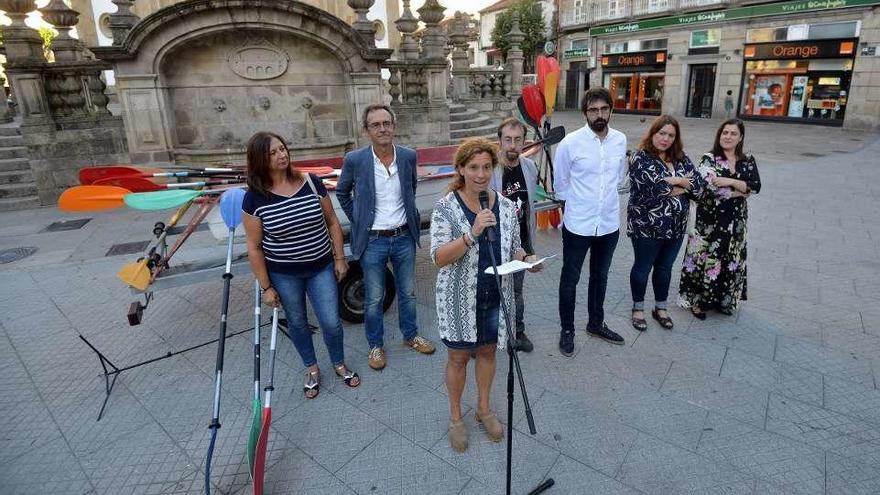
800, 49
636, 59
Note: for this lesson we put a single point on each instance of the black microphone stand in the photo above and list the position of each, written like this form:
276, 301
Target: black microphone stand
513, 361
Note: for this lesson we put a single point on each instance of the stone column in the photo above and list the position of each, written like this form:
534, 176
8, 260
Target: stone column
459, 36
24, 64
361, 24
5, 114
515, 58
122, 20
433, 41
407, 25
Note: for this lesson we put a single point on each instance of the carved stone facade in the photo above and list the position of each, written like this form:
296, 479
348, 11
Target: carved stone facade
198, 78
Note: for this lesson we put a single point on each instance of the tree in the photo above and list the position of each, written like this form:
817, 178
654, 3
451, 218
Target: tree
531, 22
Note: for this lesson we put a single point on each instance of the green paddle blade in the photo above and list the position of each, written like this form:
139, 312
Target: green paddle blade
255, 435
160, 200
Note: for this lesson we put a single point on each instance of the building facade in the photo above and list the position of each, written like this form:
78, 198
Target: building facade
803, 61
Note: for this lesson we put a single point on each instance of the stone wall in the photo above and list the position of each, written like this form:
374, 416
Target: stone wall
216, 105
56, 156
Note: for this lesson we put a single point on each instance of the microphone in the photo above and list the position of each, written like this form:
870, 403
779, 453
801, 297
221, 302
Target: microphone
484, 204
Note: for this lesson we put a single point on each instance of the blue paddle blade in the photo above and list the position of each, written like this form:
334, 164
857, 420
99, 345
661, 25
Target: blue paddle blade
230, 207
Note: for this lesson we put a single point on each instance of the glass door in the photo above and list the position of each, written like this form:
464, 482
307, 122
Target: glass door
701, 91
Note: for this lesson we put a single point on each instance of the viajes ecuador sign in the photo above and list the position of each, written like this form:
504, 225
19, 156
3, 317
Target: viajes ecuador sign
716, 16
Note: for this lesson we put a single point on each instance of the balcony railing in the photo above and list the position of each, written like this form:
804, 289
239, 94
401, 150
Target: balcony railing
689, 4
607, 10
645, 7
598, 11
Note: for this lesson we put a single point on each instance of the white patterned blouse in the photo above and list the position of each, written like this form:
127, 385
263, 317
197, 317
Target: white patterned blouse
456, 292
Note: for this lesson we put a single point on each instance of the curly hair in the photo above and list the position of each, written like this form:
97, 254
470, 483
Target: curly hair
466, 151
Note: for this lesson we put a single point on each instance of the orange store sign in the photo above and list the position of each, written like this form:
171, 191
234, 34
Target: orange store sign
801, 49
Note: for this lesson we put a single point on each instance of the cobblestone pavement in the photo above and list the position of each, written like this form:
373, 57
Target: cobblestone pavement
780, 398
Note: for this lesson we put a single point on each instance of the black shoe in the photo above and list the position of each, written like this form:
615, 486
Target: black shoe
523, 343
700, 315
566, 343
607, 334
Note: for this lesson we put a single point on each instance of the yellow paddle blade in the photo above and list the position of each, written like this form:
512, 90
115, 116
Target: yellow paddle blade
550, 85
135, 274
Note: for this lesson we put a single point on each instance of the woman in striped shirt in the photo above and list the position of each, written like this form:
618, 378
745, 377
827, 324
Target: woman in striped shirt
295, 248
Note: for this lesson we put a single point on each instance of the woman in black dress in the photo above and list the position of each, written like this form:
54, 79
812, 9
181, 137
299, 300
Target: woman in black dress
713, 273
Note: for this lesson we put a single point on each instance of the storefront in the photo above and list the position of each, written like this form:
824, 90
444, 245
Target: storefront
798, 81
635, 80
577, 76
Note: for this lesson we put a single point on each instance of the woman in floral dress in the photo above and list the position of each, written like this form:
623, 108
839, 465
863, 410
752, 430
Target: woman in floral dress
713, 273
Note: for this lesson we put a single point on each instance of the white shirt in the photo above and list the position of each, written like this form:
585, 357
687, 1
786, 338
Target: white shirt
588, 171
388, 212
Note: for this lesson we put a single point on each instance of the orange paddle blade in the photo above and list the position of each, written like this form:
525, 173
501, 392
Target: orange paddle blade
136, 274
550, 85
92, 198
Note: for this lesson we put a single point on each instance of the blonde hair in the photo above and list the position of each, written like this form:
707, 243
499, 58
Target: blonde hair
467, 151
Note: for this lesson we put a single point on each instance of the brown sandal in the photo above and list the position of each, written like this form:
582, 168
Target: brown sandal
312, 384
664, 321
349, 376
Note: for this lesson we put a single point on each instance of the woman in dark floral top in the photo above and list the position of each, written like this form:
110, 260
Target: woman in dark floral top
661, 178
713, 273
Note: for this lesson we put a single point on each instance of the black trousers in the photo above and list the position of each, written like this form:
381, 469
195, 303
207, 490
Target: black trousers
574, 251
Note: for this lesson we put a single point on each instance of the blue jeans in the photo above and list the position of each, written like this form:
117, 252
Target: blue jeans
658, 254
574, 250
321, 288
401, 251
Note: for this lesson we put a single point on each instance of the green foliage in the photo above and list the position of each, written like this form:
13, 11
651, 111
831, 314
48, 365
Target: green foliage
531, 22
48, 34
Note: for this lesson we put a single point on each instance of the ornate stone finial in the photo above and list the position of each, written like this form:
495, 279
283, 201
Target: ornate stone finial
22, 43
407, 25
515, 36
122, 20
63, 18
433, 41
361, 24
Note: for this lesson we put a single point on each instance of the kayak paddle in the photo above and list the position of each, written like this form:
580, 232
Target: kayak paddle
551, 137
137, 274
92, 198
207, 206
255, 424
263, 440
230, 210
140, 184
90, 175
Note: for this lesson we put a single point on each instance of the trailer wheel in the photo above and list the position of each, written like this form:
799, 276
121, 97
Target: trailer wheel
352, 293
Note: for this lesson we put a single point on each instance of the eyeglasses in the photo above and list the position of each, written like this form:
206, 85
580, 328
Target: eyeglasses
597, 111
375, 126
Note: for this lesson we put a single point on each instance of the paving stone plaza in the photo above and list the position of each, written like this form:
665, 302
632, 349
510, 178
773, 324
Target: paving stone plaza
781, 398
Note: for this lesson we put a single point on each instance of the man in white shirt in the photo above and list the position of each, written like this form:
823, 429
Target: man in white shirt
377, 191
589, 165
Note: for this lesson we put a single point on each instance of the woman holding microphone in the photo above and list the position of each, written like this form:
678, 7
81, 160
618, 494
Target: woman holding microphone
468, 302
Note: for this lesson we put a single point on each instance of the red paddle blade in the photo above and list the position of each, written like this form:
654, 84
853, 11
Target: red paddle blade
90, 175
534, 101
316, 170
131, 182
542, 68
260, 454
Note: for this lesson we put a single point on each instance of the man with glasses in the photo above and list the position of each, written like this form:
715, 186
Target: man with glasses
384, 227
590, 164
516, 180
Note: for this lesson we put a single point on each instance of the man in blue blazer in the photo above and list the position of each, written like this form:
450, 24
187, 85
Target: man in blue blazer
384, 227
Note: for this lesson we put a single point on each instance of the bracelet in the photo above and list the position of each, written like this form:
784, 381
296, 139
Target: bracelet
263, 291
470, 238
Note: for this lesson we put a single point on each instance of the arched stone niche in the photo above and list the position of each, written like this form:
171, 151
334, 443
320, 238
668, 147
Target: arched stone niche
198, 78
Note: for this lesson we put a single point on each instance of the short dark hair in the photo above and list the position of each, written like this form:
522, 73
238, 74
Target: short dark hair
375, 107
593, 94
511, 122
676, 151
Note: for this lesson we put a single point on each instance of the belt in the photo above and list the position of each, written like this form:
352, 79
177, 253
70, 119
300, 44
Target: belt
390, 232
